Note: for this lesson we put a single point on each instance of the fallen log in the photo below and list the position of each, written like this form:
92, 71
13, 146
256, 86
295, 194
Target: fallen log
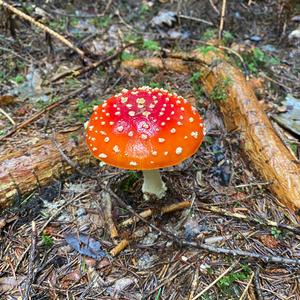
241, 111
23, 171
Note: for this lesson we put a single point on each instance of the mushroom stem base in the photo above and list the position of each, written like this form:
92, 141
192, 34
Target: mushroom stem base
153, 184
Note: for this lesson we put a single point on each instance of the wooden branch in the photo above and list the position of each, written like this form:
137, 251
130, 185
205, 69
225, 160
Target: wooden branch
242, 113
41, 26
22, 171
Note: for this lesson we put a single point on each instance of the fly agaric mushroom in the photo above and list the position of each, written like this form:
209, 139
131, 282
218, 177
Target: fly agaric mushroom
145, 129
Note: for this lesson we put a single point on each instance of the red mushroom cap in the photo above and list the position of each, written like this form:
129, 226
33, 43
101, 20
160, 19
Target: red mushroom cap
144, 129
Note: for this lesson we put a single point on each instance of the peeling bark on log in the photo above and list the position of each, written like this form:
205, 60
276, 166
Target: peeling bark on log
242, 113
21, 172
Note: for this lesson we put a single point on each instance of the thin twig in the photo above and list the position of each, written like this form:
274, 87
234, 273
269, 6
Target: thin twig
256, 220
209, 248
167, 280
247, 287
215, 281
195, 19
202, 246
42, 27
194, 284
214, 7
221, 27
3, 112
256, 282
30, 274
43, 111
149, 212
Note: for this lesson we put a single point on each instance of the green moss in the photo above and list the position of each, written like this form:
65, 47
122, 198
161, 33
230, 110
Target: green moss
219, 92
206, 49
151, 45
127, 56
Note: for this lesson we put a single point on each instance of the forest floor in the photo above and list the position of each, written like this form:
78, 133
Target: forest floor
230, 203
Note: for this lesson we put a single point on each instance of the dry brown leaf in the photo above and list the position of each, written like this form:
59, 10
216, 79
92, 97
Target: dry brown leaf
70, 279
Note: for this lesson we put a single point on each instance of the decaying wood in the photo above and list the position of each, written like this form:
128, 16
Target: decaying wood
23, 171
242, 113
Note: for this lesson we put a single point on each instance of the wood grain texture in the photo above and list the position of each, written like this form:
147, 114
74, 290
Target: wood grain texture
242, 113
21, 172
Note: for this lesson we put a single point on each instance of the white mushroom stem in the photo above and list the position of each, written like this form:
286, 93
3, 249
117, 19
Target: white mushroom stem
153, 184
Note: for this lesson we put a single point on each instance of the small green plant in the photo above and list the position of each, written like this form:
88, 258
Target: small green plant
276, 233
219, 92
208, 140
195, 77
227, 283
151, 45
74, 22
209, 34
18, 79
144, 8
47, 241
256, 59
